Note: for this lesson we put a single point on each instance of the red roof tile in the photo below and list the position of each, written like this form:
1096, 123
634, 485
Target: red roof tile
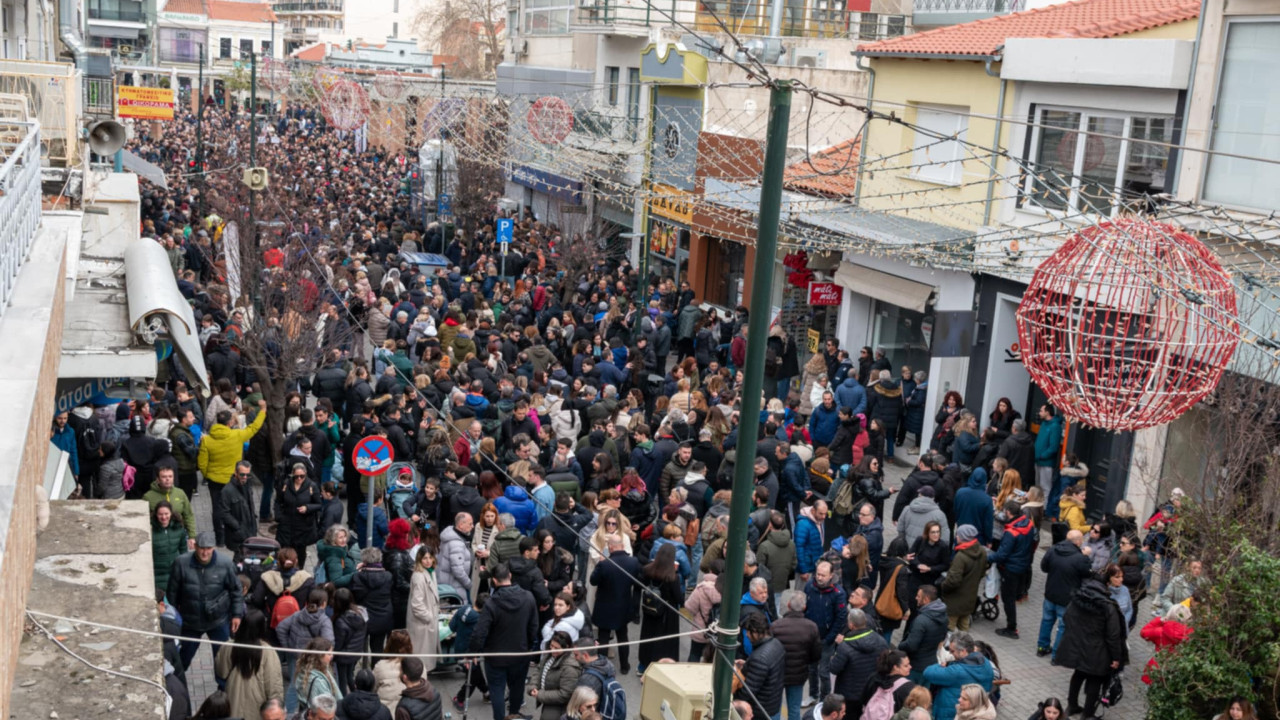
1079, 19
828, 173
189, 7
240, 11
316, 52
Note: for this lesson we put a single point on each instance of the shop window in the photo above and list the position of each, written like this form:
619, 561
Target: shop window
905, 335
935, 158
1245, 118
1115, 162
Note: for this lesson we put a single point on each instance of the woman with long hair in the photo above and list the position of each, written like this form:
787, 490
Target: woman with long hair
582, 703
315, 673
424, 608
974, 704
1003, 416
855, 564
602, 473
611, 522
637, 504
1238, 709
565, 619
1010, 483
253, 674
387, 670
556, 676
965, 445
397, 561
1050, 709
718, 424
168, 542
952, 404
490, 486
929, 557
215, 707
555, 563
659, 609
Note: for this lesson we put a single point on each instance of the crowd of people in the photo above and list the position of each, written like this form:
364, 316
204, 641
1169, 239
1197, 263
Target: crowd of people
565, 452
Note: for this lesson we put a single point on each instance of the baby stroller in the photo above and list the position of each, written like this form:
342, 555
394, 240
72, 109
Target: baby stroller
989, 596
451, 601
258, 555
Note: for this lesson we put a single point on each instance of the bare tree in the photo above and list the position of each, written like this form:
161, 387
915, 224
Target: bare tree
471, 30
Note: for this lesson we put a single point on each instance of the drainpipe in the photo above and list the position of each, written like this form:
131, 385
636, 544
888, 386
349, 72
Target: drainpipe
775, 19
46, 23
1186, 104
866, 131
1004, 86
69, 31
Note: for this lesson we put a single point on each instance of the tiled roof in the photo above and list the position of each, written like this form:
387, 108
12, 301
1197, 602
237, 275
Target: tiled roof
316, 52
1078, 19
188, 7
828, 173
240, 11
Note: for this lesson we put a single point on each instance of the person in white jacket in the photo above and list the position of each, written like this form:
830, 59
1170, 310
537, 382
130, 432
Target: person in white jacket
566, 618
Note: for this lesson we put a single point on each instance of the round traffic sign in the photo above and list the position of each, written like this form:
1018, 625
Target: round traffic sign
372, 455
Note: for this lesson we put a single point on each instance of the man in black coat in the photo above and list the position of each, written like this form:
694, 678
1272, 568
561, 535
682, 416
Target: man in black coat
927, 628
1065, 566
616, 601
1020, 450
764, 671
330, 381
923, 475
1094, 646
204, 588
799, 636
854, 663
238, 514
508, 624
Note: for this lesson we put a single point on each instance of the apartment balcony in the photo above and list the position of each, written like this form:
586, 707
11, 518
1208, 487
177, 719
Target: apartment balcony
320, 7
937, 13
131, 15
19, 199
616, 16
99, 97
800, 18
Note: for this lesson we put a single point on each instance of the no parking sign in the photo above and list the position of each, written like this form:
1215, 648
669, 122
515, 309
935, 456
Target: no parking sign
372, 455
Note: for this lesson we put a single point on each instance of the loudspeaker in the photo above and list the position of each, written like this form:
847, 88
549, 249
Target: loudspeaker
255, 178
106, 137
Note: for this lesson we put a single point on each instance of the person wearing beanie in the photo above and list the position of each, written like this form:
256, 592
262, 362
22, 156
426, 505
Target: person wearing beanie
960, 588
397, 561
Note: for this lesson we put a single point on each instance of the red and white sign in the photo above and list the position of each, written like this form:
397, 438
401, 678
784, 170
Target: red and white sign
825, 293
549, 120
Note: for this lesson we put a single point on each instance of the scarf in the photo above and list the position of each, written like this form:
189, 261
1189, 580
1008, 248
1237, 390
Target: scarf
966, 545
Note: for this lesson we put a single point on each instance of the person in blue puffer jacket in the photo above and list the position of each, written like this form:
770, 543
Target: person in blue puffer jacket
825, 421
969, 666
851, 394
517, 502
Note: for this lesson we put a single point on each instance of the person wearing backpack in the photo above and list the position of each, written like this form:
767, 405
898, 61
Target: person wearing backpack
597, 675
888, 689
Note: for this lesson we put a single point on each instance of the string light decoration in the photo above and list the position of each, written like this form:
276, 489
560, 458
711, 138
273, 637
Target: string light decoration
389, 85
346, 105
276, 75
1128, 324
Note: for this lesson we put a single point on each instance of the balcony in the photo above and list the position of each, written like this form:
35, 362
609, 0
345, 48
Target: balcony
800, 18
99, 96
319, 6
936, 13
19, 199
118, 14
601, 14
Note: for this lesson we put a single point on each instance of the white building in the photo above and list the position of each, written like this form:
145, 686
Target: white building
239, 28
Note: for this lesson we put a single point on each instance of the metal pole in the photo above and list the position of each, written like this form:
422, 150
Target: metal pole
199, 134
368, 504
775, 158
271, 88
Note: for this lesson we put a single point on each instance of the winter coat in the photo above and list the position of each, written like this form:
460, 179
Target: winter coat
701, 602
1164, 634
923, 635
884, 403
555, 679
508, 623
911, 488
960, 588
302, 627
854, 663
387, 674
247, 694
964, 448
946, 682
913, 416
1071, 511
167, 544
973, 506
1019, 449
1049, 442
826, 607
1095, 634
851, 394
372, 589
799, 636
420, 702
616, 600
1065, 567
453, 563
793, 480
903, 591
516, 501
111, 479
571, 624
185, 452
423, 618
182, 510
350, 631
526, 574
339, 562
778, 553
205, 595
809, 542
361, 705
294, 529
400, 565
1099, 550
763, 674
823, 424
239, 513
917, 515
221, 448
1017, 545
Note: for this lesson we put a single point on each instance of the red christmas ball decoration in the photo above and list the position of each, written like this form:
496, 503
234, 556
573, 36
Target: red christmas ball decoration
1128, 324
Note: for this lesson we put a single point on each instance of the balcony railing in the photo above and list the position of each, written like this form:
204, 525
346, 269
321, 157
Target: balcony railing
800, 18
307, 7
933, 12
622, 12
124, 14
99, 98
19, 199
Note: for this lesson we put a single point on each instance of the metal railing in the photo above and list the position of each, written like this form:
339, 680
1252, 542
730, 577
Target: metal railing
622, 12
800, 18
299, 7
976, 7
125, 14
19, 199
99, 96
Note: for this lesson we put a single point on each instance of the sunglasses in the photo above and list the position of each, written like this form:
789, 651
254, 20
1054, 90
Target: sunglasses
295, 477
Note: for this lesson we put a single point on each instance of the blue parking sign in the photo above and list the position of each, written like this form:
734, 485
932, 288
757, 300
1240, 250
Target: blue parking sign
444, 206
506, 230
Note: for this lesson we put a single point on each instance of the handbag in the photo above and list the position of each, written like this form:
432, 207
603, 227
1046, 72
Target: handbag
888, 606
651, 602
1113, 691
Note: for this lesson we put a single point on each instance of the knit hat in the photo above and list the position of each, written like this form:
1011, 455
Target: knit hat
926, 491
965, 533
398, 533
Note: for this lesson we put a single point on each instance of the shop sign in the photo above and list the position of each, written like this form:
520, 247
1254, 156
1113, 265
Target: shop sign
814, 341
145, 103
825, 293
558, 187
671, 203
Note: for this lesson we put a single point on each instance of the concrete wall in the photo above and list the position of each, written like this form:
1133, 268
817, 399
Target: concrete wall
744, 111
30, 336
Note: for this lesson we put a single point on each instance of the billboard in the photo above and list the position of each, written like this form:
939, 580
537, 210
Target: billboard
144, 103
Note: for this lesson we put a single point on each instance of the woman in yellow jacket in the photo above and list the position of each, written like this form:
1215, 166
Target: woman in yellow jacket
220, 449
1071, 508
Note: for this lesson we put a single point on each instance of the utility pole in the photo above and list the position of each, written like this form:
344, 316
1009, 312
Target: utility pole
775, 159
271, 88
199, 135
253, 138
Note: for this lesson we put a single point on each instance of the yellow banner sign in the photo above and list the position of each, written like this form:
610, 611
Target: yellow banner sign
672, 203
814, 340
144, 103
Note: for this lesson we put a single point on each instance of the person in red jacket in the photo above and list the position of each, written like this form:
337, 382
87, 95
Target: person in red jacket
1166, 632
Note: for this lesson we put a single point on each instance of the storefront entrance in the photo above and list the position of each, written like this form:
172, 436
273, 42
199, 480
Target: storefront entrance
905, 335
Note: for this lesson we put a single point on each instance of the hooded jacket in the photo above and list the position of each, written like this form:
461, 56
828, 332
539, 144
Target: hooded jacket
851, 394
922, 638
808, 541
823, 424
1095, 635
167, 544
1049, 442
362, 705
453, 563
917, 515
525, 573
516, 501
301, 627
778, 553
884, 403
419, 702
960, 588
911, 488
826, 607
1017, 545
947, 681
973, 505
181, 505
1019, 449
1065, 567
205, 595
222, 448
508, 623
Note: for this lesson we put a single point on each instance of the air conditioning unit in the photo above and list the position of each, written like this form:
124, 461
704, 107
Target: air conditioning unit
809, 58
588, 4
520, 47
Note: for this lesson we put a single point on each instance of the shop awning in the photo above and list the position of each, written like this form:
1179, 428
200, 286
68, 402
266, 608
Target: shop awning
158, 310
883, 286
880, 226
